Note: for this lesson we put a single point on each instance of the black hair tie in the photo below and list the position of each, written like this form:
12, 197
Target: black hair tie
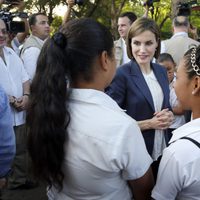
60, 39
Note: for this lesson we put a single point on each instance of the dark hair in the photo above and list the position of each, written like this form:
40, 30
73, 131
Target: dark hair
139, 26
130, 15
165, 57
32, 18
188, 64
180, 21
65, 58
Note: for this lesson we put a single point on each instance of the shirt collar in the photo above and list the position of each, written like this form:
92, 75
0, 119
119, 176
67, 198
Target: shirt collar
180, 34
94, 97
186, 130
39, 40
7, 50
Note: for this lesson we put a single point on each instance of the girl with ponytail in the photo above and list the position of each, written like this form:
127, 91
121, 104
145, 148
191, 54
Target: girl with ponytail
81, 143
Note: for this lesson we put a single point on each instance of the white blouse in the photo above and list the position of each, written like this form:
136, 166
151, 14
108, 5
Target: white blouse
157, 95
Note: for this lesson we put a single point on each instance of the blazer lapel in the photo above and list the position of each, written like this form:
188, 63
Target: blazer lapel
140, 82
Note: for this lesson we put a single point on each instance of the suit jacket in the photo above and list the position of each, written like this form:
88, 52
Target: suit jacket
130, 90
178, 45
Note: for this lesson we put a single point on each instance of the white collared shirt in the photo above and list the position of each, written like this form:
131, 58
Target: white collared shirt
12, 77
179, 174
104, 149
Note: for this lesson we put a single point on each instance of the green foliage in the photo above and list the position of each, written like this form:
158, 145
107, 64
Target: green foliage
107, 12
56, 23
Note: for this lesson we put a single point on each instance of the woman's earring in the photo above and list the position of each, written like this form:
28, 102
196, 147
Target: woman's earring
193, 92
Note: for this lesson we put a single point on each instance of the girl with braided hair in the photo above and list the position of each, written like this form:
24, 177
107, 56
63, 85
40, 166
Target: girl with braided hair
179, 175
81, 143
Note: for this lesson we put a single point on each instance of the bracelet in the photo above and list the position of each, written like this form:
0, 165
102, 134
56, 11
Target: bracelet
26, 94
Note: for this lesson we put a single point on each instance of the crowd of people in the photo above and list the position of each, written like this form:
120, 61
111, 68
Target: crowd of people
96, 118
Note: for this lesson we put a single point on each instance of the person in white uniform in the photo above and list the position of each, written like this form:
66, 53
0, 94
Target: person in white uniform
80, 141
179, 175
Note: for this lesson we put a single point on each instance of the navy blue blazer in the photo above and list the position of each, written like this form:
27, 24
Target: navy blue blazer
130, 90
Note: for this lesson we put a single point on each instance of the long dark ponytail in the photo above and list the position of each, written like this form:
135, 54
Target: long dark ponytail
65, 58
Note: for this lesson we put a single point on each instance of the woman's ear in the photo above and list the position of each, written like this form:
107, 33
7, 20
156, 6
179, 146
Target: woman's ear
104, 61
196, 87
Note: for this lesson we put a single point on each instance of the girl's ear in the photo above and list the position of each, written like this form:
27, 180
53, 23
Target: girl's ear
104, 60
196, 87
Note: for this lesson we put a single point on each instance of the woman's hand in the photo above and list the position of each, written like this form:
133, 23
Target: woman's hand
21, 103
162, 120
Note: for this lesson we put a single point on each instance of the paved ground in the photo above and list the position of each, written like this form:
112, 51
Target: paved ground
38, 193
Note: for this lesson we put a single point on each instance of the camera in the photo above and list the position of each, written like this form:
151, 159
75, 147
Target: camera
13, 26
79, 2
10, 1
183, 9
149, 3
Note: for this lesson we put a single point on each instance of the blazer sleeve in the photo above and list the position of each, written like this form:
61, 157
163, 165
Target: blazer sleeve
117, 88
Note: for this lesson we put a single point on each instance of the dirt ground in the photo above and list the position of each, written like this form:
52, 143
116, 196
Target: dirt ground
38, 193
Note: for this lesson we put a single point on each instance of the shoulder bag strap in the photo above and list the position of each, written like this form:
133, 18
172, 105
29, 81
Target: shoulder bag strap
192, 140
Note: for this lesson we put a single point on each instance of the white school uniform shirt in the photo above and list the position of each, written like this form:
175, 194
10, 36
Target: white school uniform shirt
104, 149
12, 77
179, 174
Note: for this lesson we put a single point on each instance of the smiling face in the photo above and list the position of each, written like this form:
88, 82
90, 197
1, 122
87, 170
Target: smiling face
3, 34
143, 47
183, 86
124, 24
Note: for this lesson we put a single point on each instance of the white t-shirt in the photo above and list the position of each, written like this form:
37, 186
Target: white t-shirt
179, 174
12, 77
104, 149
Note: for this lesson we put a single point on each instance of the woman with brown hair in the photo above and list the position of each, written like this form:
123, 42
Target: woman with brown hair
141, 87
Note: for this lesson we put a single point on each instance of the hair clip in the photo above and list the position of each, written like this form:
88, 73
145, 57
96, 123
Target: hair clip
195, 67
60, 39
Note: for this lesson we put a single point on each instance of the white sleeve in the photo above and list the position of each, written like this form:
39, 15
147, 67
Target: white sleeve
134, 160
169, 181
29, 58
